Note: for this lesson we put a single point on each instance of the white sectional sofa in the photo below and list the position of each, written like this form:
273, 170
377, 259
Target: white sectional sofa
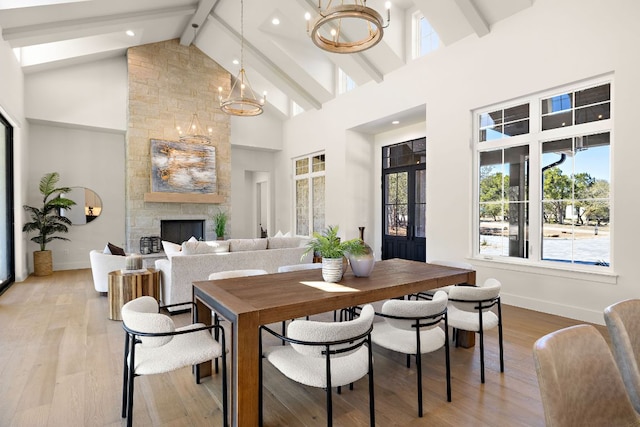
180, 270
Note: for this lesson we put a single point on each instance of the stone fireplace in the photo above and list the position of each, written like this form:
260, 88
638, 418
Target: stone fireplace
169, 82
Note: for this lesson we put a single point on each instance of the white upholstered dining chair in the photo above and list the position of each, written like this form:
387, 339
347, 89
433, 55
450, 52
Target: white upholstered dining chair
414, 328
300, 267
153, 345
324, 355
470, 309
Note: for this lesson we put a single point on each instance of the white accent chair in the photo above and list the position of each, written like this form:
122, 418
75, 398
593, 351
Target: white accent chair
413, 328
324, 355
470, 310
300, 267
623, 322
153, 345
579, 382
101, 265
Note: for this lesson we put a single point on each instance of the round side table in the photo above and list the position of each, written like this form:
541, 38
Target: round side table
125, 286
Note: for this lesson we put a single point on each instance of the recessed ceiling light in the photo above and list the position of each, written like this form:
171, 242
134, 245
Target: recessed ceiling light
130, 33
236, 62
275, 21
395, 122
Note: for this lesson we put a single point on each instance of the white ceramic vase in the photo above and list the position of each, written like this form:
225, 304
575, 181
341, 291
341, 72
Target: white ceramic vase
332, 269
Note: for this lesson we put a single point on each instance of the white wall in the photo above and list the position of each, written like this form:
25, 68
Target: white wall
78, 121
90, 95
83, 158
547, 45
12, 107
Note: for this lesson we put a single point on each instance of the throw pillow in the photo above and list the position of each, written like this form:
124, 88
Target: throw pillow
287, 234
192, 239
171, 249
115, 250
240, 245
278, 234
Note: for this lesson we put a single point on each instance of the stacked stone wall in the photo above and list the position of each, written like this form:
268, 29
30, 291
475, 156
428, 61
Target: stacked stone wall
169, 82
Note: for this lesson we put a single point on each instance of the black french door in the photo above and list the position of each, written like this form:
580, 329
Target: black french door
7, 253
404, 200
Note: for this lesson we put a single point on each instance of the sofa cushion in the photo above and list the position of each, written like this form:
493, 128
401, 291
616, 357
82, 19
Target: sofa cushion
220, 246
240, 245
283, 242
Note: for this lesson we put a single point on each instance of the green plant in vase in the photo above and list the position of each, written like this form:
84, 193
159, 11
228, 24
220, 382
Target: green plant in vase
220, 220
332, 250
47, 221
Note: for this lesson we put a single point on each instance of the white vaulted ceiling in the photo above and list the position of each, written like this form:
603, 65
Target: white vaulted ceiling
280, 59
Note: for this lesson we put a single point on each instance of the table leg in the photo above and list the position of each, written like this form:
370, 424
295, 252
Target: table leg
203, 316
245, 352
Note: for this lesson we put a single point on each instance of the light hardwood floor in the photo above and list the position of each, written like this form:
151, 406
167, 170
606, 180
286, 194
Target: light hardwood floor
61, 365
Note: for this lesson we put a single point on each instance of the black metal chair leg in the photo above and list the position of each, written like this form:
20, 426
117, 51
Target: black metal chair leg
500, 337
419, 375
125, 376
481, 357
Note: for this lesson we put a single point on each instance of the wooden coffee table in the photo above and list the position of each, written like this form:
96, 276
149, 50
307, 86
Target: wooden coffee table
124, 287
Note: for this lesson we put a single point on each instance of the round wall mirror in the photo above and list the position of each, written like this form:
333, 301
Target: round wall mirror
87, 208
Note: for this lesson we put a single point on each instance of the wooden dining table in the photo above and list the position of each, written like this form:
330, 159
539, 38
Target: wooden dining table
249, 302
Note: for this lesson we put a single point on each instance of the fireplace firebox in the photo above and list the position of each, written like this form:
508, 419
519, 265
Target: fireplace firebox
179, 230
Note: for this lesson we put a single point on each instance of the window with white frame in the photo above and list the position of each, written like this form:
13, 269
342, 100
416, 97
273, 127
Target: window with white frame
425, 38
543, 178
345, 83
296, 109
309, 173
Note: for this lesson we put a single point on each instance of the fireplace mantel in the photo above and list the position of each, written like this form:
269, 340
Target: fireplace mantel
183, 198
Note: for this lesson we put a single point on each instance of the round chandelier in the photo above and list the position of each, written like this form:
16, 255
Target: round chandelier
241, 100
347, 28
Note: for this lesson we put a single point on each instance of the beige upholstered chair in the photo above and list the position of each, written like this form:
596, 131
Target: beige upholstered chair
153, 345
325, 355
623, 322
579, 382
413, 328
470, 309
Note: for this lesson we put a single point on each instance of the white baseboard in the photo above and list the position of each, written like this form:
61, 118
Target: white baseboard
564, 310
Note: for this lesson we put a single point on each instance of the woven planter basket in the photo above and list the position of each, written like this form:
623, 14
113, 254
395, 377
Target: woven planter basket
42, 263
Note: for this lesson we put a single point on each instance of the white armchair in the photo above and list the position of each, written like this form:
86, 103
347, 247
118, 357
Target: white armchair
101, 265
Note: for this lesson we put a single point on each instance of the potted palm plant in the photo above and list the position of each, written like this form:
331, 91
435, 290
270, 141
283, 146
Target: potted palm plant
220, 220
47, 221
332, 250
